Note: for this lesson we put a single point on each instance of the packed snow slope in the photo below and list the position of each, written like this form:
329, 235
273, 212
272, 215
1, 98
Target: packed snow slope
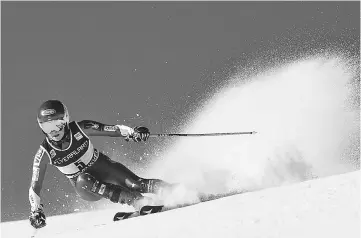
326, 207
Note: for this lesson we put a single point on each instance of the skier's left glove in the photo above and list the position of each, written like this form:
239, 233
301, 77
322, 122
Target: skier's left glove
37, 218
140, 133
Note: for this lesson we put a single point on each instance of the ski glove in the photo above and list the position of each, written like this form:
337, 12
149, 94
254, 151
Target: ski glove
140, 134
37, 218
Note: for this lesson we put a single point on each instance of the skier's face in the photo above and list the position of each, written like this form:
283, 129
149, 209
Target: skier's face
56, 135
54, 129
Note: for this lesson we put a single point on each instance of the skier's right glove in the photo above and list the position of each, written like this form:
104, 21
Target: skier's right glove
141, 133
37, 218
138, 134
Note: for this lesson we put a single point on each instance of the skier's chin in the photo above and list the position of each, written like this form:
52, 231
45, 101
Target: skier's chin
56, 137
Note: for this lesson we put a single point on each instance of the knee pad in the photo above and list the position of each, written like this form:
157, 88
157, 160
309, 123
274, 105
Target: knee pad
85, 181
106, 190
82, 187
91, 184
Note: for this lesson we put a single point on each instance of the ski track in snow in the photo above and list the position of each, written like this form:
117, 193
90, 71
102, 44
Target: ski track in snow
327, 207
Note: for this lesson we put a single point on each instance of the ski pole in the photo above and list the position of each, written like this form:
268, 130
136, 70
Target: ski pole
205, 134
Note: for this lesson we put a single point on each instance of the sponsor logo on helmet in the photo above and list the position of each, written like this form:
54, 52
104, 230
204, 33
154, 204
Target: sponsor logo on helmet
47, 112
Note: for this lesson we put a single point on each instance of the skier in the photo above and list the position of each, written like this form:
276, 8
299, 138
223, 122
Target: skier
93, 174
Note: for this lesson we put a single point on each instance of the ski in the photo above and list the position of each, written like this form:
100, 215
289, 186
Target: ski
150, 210
143, 211
122, 215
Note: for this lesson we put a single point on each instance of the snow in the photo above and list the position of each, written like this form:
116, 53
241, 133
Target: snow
305, 130
327, 207
306, 125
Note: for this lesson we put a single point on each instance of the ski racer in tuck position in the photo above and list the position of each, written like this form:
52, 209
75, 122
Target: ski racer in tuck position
93, 174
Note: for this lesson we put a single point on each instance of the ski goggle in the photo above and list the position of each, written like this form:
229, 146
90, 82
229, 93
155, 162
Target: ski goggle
50, 126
